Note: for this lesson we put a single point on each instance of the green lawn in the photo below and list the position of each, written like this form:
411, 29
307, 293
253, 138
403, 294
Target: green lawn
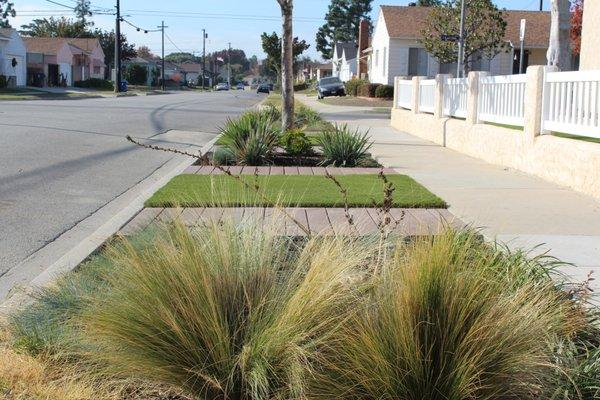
298, 190
576, 137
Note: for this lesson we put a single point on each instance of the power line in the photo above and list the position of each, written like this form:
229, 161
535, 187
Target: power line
173, 43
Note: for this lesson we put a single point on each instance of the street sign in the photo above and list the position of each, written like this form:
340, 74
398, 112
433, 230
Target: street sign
522, 31
450, 38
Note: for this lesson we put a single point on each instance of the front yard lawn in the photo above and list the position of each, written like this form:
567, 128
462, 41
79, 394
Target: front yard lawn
292, 190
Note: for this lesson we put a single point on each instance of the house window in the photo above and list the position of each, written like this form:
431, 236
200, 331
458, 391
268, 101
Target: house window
384, 59
417, 62
377, 58
96, 70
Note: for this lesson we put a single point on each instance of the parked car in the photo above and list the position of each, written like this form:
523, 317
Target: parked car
222, 86
240, 86
264, 88
330, 86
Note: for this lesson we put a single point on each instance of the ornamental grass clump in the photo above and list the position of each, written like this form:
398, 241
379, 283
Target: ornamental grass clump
444, 322
252, 137
225, 311
343, 147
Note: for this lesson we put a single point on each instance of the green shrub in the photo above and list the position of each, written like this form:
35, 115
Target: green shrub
445, 323
3, 82
384, 92
301, 86
227, 312
252, 137
223, 156
136, 74
368, 89
344, 148
353, 85
95, 83
296, 143
306, 116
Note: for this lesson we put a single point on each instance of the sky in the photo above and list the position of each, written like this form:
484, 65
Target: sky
239, 22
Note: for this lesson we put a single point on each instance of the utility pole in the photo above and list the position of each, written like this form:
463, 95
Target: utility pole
229, 65
541, 5
203, 56
162, 29
118, 49
461, 42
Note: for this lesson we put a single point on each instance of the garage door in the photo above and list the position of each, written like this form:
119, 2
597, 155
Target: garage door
20, 70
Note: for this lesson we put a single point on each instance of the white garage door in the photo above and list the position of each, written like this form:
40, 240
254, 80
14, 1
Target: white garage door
20, 70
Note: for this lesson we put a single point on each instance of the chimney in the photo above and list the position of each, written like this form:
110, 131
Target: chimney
363, 44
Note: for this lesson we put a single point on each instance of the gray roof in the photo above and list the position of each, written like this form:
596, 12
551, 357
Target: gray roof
350, 48
6, 33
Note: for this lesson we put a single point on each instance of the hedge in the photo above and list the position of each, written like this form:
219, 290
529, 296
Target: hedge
368, 89
353, 86
3, 82
384, 92
300, 86
95, 83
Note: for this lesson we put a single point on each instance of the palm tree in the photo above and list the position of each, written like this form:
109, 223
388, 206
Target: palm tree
287, 65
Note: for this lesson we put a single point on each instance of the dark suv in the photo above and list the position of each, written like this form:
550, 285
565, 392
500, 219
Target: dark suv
330, 86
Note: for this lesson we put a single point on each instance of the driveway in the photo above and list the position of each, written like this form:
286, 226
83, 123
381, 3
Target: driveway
62, 160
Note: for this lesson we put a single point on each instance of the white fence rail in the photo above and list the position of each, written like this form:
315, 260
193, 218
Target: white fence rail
502, 99
427, 95
455, 97
404, 90
572, 103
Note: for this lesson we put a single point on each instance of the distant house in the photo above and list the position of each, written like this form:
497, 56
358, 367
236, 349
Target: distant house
396, 49
318, 71
13, 57
88, 59
63, 61
150, 66
344, 64
192, 71
590, 37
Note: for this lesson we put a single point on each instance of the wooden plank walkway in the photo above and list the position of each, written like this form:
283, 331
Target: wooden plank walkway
292, 170
407, 222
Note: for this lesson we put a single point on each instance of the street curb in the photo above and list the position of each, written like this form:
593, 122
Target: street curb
22, 286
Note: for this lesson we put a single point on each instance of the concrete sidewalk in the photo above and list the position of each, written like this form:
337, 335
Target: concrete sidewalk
515, 208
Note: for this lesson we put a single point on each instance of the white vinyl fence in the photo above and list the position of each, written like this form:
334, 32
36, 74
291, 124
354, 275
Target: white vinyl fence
502, 99
455, 97
427, 95
572, 103
404, 89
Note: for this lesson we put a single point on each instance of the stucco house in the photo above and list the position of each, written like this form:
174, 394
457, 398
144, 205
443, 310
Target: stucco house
396, 49
88, 59
63, 61
590, 37
13, 57
343, 63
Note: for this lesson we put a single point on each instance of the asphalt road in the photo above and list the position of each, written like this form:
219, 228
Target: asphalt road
61, 160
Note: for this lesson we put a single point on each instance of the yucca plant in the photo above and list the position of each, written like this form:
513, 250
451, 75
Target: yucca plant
226, 312
343, 147
443, 323
252, 137
306, 117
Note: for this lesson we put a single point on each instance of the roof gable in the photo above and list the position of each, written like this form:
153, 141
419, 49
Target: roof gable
407, 22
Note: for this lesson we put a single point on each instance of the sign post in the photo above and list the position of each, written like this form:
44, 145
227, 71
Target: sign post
522, 39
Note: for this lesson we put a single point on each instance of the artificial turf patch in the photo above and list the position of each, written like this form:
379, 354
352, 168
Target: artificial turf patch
291, 190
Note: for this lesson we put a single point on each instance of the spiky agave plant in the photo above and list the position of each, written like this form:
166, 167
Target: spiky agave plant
226, 312
343, 147
252, 137
444, 323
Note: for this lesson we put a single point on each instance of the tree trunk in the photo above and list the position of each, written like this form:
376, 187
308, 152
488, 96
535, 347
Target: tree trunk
559, 52
287, 66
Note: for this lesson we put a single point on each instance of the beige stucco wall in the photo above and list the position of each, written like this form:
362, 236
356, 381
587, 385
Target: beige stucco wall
567, 162
590, 38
